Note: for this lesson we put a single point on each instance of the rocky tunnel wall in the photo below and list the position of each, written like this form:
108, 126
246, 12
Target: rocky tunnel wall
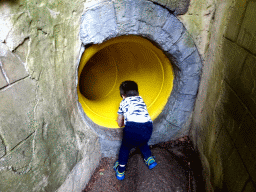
46, 144
43, 139
224, 121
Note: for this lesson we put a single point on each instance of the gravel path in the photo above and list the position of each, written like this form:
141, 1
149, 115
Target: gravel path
178, 166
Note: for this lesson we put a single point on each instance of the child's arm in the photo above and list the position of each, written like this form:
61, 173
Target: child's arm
120, 120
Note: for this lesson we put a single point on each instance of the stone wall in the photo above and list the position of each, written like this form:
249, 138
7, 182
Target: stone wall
44, 143
224, 121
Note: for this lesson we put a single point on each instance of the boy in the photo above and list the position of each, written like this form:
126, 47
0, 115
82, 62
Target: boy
138, 128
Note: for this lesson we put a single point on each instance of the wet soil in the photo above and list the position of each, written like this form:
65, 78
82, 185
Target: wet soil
179, 169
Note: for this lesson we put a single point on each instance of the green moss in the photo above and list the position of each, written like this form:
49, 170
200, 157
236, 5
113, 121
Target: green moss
52, 28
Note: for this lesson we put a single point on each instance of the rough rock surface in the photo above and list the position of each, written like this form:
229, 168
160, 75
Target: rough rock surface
198, 20
44, 143
224, 119
178, 7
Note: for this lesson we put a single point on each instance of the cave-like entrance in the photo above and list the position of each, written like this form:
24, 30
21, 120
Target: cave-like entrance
144, 42
103, 67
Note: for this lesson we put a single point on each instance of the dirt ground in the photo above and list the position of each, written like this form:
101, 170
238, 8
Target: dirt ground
179, 169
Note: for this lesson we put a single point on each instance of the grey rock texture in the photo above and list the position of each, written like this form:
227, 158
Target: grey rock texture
12, 65
17, 104
157, 24
3, 81
178, 7
44, 142
96, 23
2, 148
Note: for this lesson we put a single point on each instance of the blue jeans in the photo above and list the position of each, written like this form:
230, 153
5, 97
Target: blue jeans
135, 135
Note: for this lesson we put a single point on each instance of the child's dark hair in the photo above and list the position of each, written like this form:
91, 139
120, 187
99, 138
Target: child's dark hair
128, 89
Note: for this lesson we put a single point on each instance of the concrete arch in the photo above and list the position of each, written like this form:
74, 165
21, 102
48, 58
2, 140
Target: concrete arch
103, 20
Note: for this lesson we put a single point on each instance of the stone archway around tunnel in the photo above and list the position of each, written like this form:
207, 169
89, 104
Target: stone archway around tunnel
105, 20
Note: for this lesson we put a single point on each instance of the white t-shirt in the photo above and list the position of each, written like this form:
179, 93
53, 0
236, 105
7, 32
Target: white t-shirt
134, 109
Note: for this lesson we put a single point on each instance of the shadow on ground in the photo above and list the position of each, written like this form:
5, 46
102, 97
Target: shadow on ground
179, 169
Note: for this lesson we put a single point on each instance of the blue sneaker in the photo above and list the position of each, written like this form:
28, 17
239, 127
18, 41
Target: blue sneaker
151, 162
119, 176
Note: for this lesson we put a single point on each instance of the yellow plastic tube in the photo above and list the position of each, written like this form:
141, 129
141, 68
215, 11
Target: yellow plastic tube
105, 66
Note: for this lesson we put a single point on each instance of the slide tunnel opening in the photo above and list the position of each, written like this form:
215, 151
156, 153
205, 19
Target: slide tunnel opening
103, 67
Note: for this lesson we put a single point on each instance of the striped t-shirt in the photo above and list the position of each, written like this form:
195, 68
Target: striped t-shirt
134, 109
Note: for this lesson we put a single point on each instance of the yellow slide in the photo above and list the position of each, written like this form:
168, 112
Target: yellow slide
105, 66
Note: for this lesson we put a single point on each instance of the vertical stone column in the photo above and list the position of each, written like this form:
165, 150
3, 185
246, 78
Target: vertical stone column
225, 117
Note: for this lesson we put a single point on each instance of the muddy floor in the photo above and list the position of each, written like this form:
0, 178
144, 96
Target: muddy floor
179, 169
